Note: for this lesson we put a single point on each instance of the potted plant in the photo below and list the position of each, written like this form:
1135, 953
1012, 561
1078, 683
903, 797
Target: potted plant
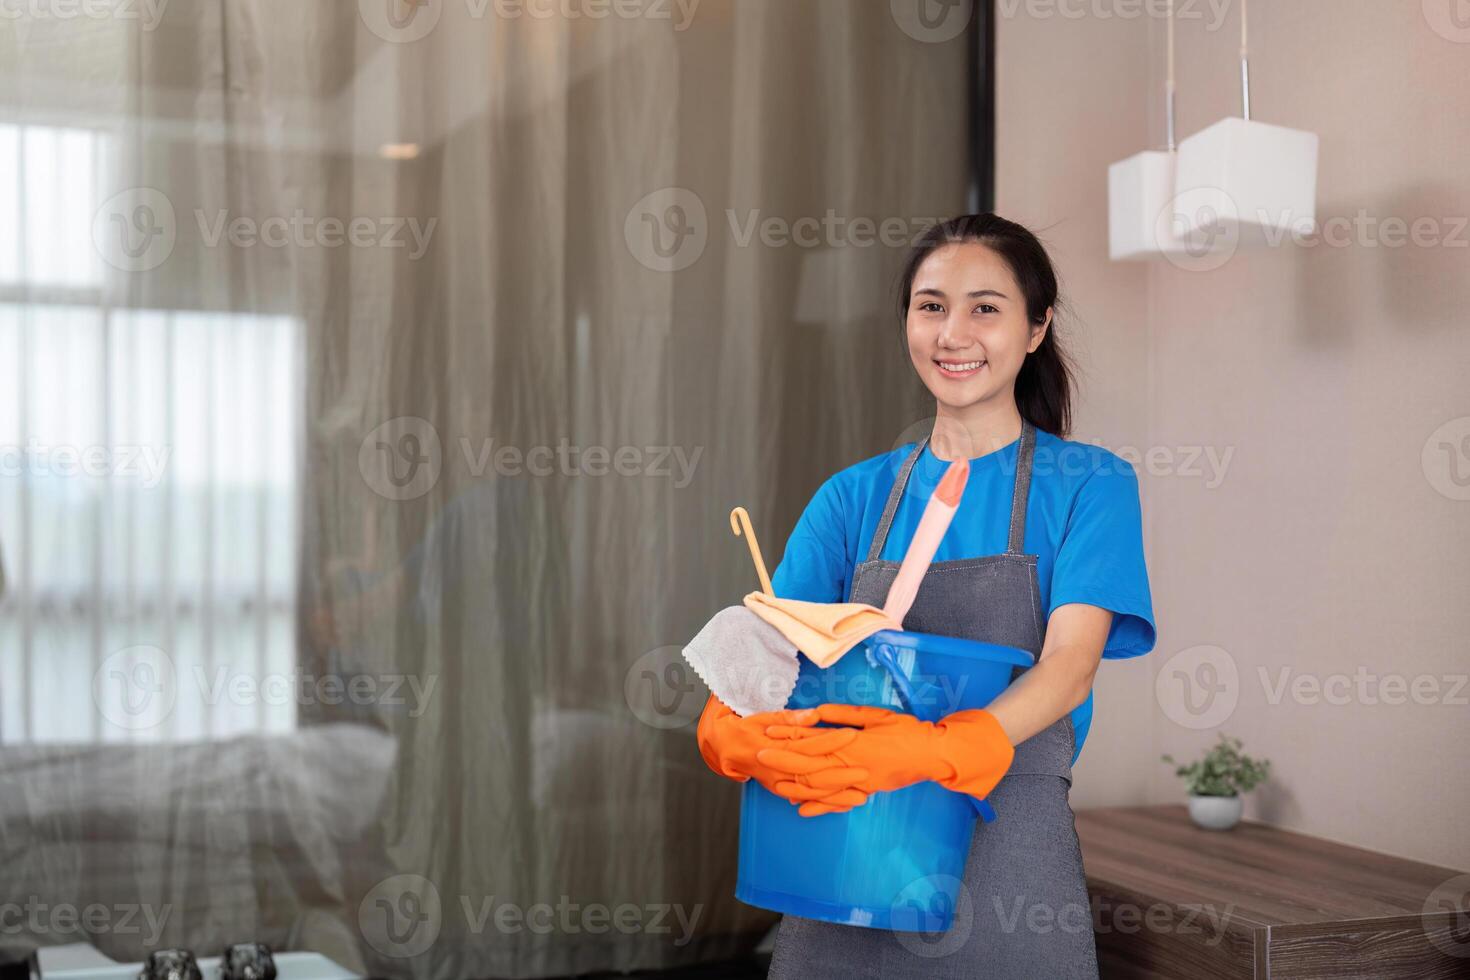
1216, 782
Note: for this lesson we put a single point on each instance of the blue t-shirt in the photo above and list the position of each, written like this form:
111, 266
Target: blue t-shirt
1083, 524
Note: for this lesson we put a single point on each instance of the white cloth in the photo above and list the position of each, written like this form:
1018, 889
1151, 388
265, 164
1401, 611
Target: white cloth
745, 661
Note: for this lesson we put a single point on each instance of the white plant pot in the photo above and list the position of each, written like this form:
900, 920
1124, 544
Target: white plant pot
1215, 812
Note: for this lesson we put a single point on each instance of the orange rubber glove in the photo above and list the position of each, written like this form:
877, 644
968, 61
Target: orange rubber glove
967, 752
730, 746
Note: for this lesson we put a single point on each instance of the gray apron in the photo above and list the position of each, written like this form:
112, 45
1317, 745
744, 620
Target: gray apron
1023, 911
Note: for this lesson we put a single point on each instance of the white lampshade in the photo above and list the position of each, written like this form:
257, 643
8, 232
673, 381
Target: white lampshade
1248, 180
1139, 189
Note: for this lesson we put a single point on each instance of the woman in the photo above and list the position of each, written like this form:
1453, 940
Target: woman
1045, 554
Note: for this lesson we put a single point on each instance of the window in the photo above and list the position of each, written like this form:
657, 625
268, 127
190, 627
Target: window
148, 485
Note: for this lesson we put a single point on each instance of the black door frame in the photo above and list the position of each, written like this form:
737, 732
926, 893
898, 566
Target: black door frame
982, 106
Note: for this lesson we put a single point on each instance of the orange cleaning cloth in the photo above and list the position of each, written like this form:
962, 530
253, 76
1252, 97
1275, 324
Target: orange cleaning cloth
824, 631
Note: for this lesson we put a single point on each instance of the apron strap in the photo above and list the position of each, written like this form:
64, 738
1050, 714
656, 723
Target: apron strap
880, 536
1020, 494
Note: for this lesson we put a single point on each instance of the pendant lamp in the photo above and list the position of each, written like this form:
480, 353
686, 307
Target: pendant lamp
1141, 187
1245, 180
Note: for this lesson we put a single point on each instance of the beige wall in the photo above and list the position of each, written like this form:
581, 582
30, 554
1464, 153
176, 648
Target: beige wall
1326, 549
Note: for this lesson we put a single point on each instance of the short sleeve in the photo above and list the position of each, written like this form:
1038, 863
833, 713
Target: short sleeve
1100, 559
814, 565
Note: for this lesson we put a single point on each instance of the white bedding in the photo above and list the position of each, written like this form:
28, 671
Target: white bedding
196, 844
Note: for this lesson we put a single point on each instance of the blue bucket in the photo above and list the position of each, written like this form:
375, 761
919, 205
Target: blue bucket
895, 862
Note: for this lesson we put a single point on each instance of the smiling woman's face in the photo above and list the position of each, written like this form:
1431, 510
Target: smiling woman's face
967, 328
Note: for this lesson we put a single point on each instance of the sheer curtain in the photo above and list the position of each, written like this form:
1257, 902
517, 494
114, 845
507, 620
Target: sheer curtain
454, 331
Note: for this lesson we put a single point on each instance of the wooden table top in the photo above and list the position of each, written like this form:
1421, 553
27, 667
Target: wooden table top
1272, 876
1260, 903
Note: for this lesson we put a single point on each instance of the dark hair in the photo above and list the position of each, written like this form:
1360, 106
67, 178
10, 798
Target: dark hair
1044, 386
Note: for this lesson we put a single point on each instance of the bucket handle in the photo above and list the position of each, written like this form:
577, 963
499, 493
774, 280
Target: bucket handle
886, 656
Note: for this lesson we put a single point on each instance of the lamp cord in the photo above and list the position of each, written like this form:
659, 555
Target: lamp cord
1169, 87
1245, 62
